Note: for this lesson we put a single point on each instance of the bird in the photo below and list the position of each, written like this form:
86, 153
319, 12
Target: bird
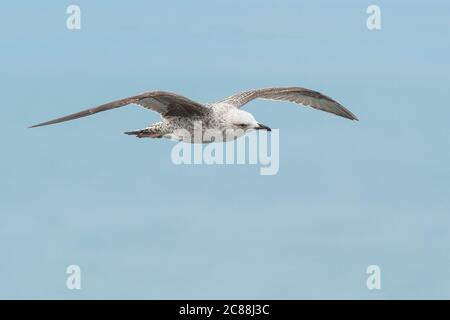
181, 117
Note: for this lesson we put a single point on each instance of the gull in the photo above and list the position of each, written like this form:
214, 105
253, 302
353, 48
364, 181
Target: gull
181, 117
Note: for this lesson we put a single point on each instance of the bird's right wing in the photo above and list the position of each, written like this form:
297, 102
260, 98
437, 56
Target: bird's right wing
297, 95
165, 103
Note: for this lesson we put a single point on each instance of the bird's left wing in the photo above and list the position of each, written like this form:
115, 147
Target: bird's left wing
297, 95
165, 103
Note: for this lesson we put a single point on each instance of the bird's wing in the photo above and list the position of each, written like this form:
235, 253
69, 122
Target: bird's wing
165, 103
297, 95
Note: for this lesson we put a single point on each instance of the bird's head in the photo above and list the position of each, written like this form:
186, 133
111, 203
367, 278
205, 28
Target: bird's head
240, 120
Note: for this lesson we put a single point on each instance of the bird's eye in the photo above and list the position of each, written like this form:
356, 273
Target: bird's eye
241, 125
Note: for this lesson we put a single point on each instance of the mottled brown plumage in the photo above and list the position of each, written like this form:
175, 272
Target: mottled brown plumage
180, 113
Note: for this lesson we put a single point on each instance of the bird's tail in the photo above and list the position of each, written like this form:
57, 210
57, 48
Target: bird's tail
133, 133
144, 133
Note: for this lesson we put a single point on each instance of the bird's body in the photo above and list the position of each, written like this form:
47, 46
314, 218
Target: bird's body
213, 124
185, 120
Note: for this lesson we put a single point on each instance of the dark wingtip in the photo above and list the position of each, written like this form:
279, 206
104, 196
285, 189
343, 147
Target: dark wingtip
347, 114
49, 122
38, 125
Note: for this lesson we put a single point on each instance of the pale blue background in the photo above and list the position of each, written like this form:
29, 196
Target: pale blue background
348, 194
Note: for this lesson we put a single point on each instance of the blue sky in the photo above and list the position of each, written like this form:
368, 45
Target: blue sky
347, 195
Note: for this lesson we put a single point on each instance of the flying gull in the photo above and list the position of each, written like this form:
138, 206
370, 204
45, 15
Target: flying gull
180, 116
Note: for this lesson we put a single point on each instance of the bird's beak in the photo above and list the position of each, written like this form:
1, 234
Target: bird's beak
262, 127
